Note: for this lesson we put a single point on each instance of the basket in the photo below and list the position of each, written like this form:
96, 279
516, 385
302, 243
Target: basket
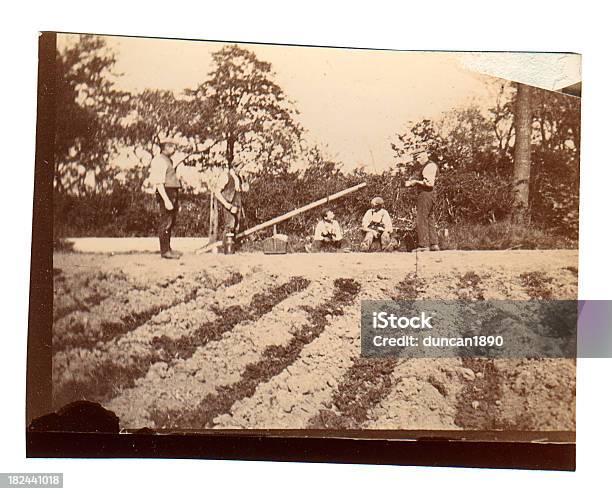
276, 244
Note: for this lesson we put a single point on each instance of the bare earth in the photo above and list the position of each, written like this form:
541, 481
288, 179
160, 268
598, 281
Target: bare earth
252, 341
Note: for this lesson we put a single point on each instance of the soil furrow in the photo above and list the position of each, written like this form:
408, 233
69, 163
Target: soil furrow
168, 390
100, 373
293, 397
262, 303
82, 291
424, 396
274, 359
366, 383
494, 394
250, 356
121, 314
478, 406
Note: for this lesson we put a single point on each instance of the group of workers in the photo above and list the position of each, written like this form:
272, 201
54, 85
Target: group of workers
376, 225
164, 178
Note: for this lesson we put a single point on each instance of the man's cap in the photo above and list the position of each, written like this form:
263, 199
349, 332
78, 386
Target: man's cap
378, 201
419, 148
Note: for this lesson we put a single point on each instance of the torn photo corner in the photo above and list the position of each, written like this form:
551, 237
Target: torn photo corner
219, 227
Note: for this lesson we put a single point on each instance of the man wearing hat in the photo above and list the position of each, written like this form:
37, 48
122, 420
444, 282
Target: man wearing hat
424, 182
377, 225
328, 233
229, 191
164, 179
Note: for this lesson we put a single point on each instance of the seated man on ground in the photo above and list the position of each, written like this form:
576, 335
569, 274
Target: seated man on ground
328, 233
377, 225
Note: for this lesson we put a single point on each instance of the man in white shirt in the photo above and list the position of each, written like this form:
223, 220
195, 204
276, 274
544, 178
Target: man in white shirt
424, 181
164, 179
377, 225
328, 233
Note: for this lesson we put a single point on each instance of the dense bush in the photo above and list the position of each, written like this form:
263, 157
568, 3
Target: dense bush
126, 212
475, 207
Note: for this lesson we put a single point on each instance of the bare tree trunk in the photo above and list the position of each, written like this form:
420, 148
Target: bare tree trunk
522, 151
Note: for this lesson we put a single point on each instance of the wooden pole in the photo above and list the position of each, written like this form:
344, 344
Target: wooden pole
210, 217
213, 223
210, 246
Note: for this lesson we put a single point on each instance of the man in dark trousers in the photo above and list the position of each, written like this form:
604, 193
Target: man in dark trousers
167, 186
229, 191
424, 182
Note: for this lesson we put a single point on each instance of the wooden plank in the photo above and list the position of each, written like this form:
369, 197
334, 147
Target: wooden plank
288, 215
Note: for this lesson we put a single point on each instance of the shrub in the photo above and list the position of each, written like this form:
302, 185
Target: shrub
474, 206
501, 236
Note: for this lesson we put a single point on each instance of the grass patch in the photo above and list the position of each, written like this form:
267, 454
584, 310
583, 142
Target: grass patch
537, 285
407, 289
572, 269
503, 235
62, 245
82, 293
366, 384
468, 287
79, 333
477, 407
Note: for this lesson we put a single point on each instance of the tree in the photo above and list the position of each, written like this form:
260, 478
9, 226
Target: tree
423, 133
522, 150
555, 158
89, 115
242, 115
153, 115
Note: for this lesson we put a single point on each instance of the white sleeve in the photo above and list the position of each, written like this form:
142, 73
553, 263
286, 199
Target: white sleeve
221, 182
386, 220
157, 174
338, 231
429, 174
367, 219
318, 234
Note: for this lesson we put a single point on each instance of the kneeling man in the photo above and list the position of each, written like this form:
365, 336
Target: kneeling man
377, 225
328, 233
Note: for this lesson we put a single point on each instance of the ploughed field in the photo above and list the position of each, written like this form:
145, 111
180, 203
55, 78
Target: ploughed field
251, 341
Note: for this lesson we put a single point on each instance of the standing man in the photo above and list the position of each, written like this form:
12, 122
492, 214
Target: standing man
377, 225
167, 185
229, 192
424, 181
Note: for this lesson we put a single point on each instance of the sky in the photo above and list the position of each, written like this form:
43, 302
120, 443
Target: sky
351, 102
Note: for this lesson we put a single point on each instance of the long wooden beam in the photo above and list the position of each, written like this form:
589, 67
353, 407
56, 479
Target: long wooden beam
286, 216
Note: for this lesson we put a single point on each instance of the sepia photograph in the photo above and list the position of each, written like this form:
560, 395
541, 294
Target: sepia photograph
223, 213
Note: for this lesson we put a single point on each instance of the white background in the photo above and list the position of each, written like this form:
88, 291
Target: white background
479, 25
